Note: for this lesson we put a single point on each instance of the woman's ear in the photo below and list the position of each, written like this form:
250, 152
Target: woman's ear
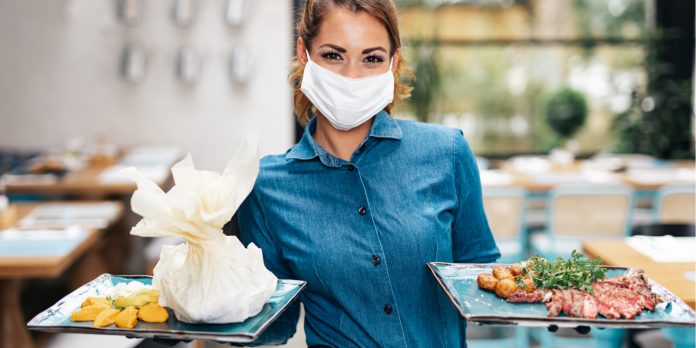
301, 52
395, 64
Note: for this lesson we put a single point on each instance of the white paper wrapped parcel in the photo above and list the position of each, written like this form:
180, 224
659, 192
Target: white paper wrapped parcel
211, 278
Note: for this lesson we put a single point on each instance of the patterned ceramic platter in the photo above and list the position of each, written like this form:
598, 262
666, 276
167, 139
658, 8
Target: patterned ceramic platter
484, 307
57, 318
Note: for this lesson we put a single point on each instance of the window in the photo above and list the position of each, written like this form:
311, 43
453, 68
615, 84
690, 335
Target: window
490, 66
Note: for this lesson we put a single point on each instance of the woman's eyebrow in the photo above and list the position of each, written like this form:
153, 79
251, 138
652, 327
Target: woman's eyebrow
337, 48
378, 48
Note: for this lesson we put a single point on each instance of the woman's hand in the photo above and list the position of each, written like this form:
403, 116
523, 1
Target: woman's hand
583, 330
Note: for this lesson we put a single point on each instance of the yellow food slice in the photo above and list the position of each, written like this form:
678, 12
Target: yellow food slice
87, 313
106, 317
97, 301
153, 313
128, 318
138, 299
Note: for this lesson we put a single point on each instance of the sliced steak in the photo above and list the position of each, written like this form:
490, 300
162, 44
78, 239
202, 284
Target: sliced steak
578, 303
589, 307
528, 297
554, 302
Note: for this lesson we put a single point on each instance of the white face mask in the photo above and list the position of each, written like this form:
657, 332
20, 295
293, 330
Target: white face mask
346, 102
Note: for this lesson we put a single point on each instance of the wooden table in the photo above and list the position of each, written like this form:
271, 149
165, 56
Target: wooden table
13, 332
84, 183
669, 275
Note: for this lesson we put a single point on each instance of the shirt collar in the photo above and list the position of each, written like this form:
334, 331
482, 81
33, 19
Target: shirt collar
383, 126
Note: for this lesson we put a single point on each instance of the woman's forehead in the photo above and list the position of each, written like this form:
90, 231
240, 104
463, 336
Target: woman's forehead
352, 31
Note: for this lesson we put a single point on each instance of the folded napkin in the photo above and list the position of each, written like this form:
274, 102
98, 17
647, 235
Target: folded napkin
667, 249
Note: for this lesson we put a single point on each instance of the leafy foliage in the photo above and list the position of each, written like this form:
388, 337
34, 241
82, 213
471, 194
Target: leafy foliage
566, 112
576, 272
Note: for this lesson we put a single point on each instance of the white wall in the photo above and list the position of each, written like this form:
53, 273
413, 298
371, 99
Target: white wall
59, 64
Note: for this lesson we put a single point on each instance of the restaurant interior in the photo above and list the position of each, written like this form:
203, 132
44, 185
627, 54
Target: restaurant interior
580, 114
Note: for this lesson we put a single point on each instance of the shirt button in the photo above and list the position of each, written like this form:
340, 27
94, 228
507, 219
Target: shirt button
362, 210
387, 309
376, 260
350, 167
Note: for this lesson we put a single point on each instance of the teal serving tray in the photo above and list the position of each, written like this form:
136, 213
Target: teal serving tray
485, 308
57, 318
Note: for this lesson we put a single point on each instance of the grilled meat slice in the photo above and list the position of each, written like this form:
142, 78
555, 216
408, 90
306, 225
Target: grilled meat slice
614, 298
528, 297
554, 302
589, 307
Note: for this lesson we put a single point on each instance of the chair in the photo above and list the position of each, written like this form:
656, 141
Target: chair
577, 212
581, 211
505, 209
675, 203
674, 213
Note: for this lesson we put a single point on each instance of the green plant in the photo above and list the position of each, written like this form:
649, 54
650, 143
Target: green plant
426, 85
658, 122
566, 112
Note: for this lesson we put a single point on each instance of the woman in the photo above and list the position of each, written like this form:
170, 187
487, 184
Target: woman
361, 204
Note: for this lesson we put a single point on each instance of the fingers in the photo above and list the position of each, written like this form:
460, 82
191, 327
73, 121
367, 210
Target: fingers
583, 330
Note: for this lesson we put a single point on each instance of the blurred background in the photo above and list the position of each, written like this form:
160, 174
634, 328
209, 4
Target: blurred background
581, 113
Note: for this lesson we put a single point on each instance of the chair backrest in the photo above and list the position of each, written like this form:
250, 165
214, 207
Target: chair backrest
675, 203
505, 209
594, 211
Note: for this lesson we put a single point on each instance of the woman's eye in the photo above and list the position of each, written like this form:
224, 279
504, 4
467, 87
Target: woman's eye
331, 56
374, 59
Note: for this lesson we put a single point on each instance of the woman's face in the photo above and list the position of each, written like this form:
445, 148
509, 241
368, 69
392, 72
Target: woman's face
351, 44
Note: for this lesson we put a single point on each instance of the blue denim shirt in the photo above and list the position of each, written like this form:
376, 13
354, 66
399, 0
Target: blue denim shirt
360, 232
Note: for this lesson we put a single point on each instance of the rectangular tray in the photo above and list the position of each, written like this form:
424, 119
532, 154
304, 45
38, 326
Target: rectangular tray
485, 308
57, 318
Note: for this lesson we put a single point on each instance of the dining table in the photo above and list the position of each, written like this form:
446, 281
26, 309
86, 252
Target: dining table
538, 175
677, 277
38, 257
98, 180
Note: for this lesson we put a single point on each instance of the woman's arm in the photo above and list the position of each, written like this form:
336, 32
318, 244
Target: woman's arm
472, 240
253, 229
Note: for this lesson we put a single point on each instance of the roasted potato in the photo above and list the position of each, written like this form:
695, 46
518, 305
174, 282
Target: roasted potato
128, 318
487, 281
529, 285
153, 313
516, 269
505, 288
106, 317
87, 313
502, 272
96, 301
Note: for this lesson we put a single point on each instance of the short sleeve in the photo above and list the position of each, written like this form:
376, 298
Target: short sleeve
471, 236
253, 229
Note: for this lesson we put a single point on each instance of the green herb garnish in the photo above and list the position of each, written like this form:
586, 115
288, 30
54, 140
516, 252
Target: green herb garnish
577, 272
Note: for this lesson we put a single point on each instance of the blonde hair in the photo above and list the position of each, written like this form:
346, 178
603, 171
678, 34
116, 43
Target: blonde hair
313, 12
